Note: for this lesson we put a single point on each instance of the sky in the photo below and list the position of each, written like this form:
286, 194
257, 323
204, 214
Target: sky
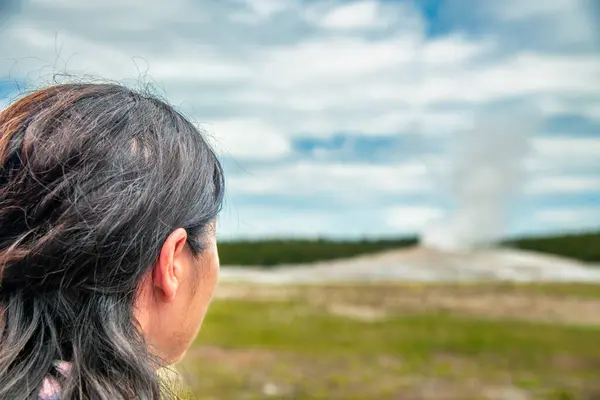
344, 118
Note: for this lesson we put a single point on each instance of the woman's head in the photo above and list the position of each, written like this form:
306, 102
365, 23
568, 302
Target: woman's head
108, 200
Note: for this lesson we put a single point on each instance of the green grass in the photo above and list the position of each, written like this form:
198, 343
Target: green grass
270, 253
294, 327
306, 352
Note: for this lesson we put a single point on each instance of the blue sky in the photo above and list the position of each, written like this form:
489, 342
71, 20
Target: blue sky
343, 118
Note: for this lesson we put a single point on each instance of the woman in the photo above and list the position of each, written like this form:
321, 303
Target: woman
108, 259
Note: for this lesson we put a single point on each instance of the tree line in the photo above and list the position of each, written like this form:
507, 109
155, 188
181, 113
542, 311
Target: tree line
270, 253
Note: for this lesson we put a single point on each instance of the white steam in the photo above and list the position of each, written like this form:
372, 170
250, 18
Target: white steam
483, 177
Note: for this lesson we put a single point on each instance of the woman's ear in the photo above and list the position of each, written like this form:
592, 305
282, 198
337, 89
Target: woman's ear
168, 269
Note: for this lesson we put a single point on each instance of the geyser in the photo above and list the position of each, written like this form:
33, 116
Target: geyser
483, 177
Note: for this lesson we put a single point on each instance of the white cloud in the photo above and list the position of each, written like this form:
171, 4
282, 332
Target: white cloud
412, 218
559, 153
241, 221
247, 139
257, 73
387, 80
361, 14
560, 22
573, 216
333, 60
54, 53
567, 147
563, 165
519, 10
206, 67
453, 50
586, 108
260, 222
517, 75
307, 83
345, 182
257, 11
567, 184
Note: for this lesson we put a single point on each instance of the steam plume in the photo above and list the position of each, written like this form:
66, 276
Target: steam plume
483, 177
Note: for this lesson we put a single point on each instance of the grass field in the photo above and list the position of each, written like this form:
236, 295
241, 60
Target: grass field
399, 342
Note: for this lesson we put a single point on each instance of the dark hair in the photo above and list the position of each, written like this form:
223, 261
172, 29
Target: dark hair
93, 179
